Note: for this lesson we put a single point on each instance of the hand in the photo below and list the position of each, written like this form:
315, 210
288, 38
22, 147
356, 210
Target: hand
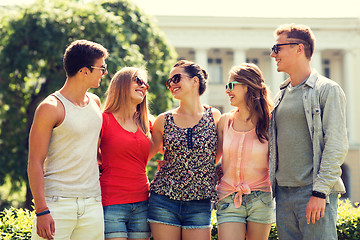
45, 226
315, 209
219, 173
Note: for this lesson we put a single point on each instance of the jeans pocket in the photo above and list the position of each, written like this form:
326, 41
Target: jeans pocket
51, 199
266, 199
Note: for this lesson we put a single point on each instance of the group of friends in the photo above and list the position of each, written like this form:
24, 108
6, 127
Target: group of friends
263, 162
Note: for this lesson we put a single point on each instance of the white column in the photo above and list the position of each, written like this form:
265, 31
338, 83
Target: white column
201, 58
316, 61
239, 56
351, 96
276, 78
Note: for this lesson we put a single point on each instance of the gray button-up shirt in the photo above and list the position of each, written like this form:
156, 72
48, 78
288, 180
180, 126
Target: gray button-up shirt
324, 103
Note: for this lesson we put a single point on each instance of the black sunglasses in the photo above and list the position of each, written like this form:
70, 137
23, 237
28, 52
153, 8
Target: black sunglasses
276, 48
175, 79
141, 82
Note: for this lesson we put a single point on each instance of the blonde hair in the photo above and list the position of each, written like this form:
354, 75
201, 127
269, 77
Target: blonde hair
118, 97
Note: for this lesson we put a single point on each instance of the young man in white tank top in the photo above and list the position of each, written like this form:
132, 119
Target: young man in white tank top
62, 164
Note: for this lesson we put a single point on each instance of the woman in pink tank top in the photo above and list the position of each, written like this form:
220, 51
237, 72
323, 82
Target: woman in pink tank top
245, 206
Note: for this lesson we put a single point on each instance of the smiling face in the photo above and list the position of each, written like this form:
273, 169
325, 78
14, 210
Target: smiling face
96, 73
179, 86
138, 88
286, 55
238, 94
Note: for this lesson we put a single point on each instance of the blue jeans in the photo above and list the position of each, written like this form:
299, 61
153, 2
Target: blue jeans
184, 214
291, 215
127, 220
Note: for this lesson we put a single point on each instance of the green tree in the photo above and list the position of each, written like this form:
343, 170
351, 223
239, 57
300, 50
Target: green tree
32, 43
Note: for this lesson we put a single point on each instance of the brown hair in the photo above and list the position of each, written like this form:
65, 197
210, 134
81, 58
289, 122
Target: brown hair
82, 53
118, 97
300, 34
257, 96
194, 70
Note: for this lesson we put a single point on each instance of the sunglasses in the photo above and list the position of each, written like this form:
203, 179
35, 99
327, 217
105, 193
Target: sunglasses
102, 68
230, 85
276, 47
141, 82
175, 79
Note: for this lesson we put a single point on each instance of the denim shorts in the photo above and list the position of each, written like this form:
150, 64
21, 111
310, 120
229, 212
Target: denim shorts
256, 207
127, 220
184, 214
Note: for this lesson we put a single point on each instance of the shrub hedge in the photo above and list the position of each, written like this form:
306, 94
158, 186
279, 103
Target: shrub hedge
17, 223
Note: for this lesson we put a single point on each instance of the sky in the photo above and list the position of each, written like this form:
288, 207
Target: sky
247, 8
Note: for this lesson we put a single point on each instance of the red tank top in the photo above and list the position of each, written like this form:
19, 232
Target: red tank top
124, 157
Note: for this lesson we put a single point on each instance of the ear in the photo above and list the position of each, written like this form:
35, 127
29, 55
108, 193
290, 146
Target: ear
84, 71
300, 48
196, 80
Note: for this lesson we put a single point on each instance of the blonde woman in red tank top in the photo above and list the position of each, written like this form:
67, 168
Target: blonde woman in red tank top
245, 206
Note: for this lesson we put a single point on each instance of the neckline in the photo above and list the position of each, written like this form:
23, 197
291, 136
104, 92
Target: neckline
202, 117
241, 132
72, 104
122, 126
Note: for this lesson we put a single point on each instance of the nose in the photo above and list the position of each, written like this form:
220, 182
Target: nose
272, 54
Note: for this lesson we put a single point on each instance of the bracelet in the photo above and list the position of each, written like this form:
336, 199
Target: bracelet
41, 210
43, 213
318, 194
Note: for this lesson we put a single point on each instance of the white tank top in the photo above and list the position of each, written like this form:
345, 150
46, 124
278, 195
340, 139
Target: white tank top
70, 169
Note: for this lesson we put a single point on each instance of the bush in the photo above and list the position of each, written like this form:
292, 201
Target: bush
17, 223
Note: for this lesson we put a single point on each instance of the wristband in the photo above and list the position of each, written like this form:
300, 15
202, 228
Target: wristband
318, 194
41, 210
43, 213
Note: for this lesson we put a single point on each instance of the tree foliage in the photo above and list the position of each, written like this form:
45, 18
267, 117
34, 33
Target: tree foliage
32, 43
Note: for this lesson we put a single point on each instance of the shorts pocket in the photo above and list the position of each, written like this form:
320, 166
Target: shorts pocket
266, 199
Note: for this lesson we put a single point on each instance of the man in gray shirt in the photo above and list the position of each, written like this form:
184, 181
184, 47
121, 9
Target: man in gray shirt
308, 141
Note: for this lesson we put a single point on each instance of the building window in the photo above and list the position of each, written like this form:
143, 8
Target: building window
252, 60
215, 70
326, 68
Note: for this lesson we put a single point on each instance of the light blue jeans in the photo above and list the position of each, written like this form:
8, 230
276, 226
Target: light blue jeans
291, 215
75, 218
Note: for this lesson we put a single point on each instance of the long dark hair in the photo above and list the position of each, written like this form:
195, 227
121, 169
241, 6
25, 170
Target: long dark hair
257, 97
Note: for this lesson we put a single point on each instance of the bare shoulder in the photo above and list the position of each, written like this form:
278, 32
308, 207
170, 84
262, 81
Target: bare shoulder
50, 111
160, 120
95, 98
216, 114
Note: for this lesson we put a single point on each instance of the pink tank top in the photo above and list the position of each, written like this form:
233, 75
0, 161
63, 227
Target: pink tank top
245, 163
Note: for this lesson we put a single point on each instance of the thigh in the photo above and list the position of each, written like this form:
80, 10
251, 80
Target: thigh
198, 234
161, 231
164, 210
257, 231
196, 214
231, 231
137, 225
115, 219
90, 224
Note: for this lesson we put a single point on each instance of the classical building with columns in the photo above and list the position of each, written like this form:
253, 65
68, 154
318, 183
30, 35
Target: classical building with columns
218, 43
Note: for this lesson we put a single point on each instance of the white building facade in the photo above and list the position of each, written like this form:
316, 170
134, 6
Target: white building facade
218, 43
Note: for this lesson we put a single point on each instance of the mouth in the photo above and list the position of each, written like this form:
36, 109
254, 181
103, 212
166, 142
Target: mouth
174, 89
277, 61
142, 93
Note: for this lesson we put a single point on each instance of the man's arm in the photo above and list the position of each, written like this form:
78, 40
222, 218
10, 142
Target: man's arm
49, 114
334, 152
